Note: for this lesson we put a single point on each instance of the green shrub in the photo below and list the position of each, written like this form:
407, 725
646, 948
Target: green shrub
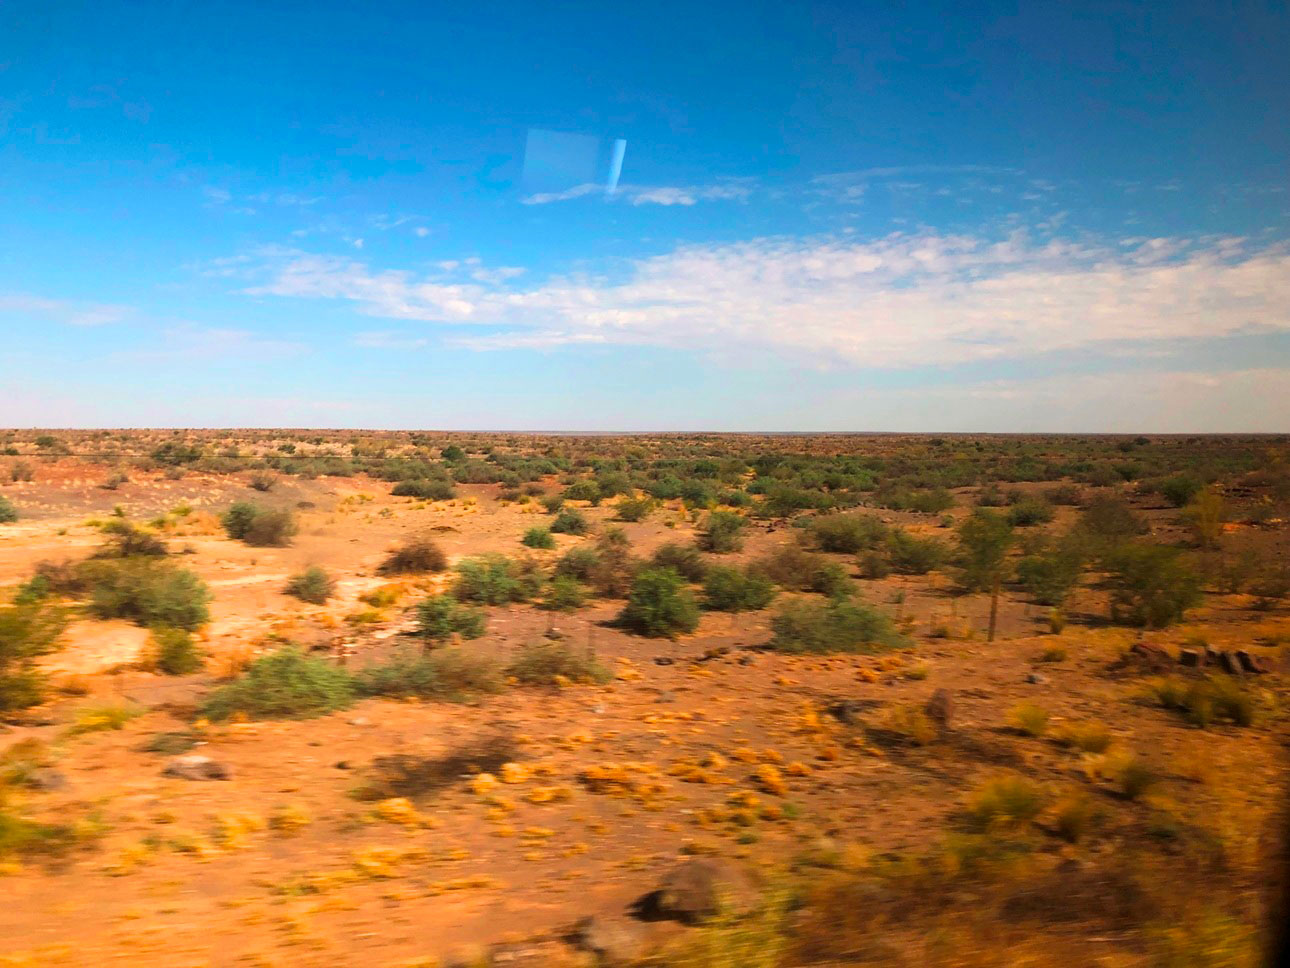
127, 540
873, 565
174, 652
26, 632
312, 585
686, 560
540, 663
634, 508
286, 684
570, 521
147, 591
8, 513
1029, 512
448, 676
496, 580
1003, 802
425, 488
722, 532
847, 533
577, 563
1151, 585
1050, 576
915, 556
440, 617
1179, 489
613, 566
538, 538
1207, 700
1029, 719
258, 526
839, 626
736, 590
565, 594
659, 604
415, 556
263, 482
583, 491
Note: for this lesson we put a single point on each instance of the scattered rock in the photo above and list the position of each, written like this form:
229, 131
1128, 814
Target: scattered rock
1211, 655
1249, 662
1036, 678
598, 709
663, 660
717, 653
940, 708
342, 764
612, 942
360, 721
196, 768
1149, 655
1230, 664
45, 779
747, 660
1192, 658
553, 634
849, 710
666, 696
698, 889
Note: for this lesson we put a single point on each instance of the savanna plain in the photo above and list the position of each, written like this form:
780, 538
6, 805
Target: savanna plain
278, 698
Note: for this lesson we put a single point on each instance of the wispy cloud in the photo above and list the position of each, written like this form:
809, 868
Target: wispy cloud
388, 340
646, 195
72, 312
905, 300
200, 343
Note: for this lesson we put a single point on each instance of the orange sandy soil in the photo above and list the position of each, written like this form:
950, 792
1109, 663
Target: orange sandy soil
352, 888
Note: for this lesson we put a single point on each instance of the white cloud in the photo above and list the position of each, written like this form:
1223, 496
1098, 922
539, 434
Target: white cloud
901, 301
388, 340
73, 312
645, 195
199, 343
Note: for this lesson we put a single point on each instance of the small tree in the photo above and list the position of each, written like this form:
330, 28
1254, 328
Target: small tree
735, 590
659, 604
1151, 585
1205, 516
984, 540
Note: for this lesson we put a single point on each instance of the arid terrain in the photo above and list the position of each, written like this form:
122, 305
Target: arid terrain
558, 761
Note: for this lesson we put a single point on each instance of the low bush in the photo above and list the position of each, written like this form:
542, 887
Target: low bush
1086, 737
173, 652
570, 521
659, 604
686, 560
722, 532
286, 684
1205, 701
565, 594
448, 675
915, 556
538, 538
1029, 512
26, 633
147, 591
496, 580
312, 585
8, 513
634, 508
416, 556
259, 526
428, 489
736, 590
263, 482
1029, 719
847, 533
1004, 802
128, 540
839, 626
547, 663
440, 617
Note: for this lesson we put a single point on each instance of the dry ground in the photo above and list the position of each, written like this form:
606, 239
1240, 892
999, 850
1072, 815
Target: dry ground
189, 873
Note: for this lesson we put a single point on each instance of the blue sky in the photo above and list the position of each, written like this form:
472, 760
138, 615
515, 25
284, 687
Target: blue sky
846, 216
